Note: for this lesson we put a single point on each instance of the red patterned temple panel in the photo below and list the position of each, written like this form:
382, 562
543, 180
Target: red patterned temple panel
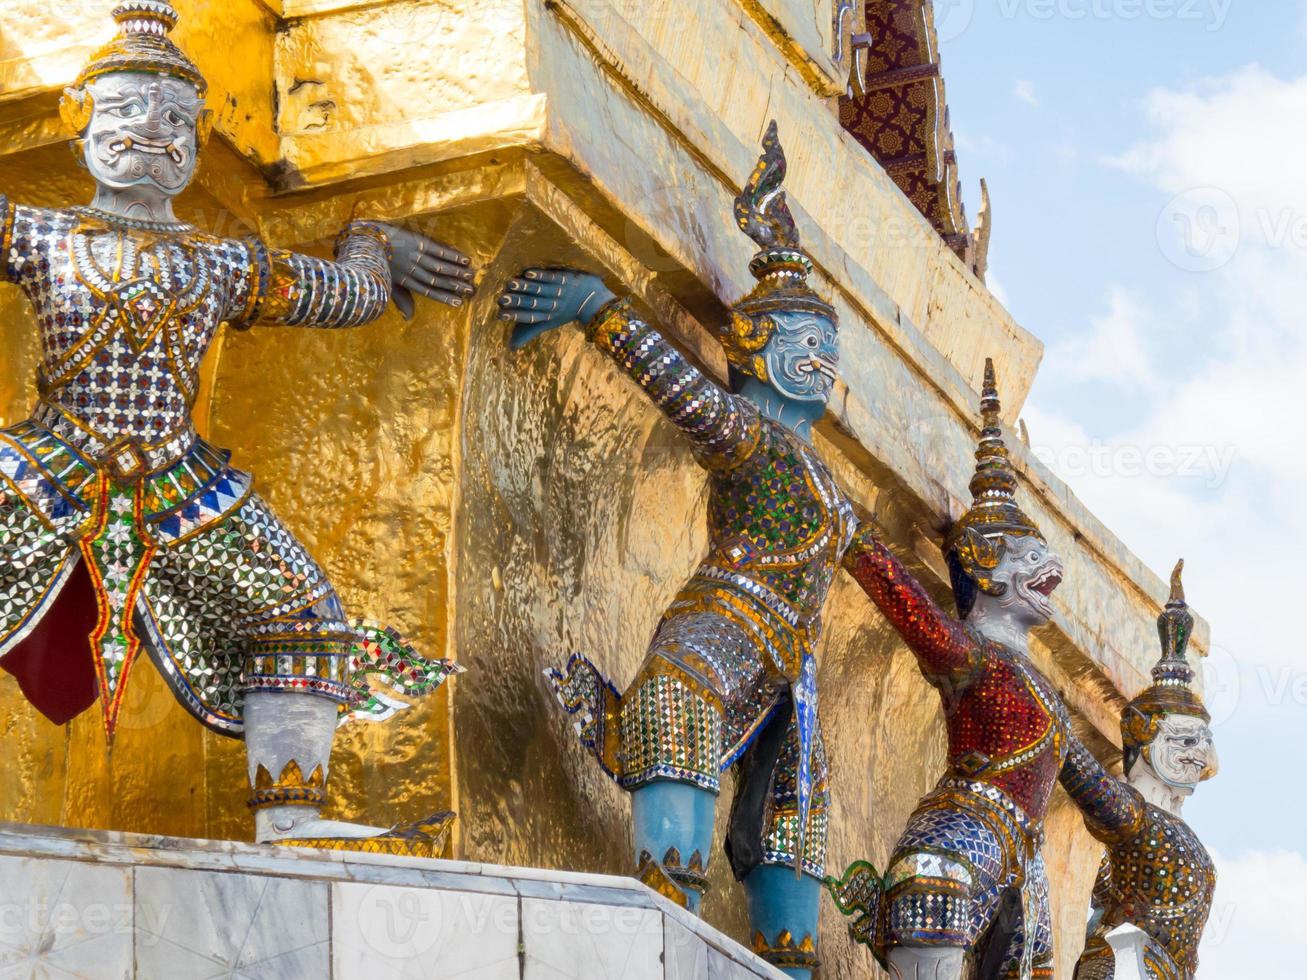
901, 117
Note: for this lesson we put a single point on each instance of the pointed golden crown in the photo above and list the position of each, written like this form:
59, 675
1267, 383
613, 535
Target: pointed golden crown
143, 45
994, 511
1171, 692
781, 267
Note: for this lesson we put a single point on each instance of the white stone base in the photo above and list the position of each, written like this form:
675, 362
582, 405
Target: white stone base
79, 903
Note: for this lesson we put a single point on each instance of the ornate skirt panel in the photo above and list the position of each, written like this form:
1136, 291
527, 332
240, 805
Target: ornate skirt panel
35, 562
781, 841
218, 591
961, 853
242, 606
702, 696
703, 671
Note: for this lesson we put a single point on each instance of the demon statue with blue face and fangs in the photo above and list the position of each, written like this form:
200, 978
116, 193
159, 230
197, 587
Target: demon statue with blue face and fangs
730, 677
1156, 877
966, 887
122, 530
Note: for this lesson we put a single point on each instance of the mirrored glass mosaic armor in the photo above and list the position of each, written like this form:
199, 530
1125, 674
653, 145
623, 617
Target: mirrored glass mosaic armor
730, 676
1156, 875
966, 888
123, 532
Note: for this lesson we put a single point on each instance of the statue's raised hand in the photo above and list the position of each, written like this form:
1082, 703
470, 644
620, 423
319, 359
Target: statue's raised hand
421, 265
542, 299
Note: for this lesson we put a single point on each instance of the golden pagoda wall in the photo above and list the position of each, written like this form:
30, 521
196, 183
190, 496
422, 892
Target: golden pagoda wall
508, 509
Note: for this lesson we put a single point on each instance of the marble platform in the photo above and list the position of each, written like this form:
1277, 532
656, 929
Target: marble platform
101, 905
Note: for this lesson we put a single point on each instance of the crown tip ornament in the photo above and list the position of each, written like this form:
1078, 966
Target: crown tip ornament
155, 17
761, 210
994, 511
1177, 586
1171, 691
1174, 627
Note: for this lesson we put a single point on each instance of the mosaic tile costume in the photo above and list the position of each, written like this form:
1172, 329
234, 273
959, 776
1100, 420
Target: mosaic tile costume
970, 856
730, 676
738, 638
1156, 874
117, 522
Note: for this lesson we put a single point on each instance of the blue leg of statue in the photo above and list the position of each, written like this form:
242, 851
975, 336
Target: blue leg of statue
780, 901
674, 816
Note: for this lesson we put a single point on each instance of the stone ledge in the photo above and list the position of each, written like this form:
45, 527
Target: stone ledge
103, 905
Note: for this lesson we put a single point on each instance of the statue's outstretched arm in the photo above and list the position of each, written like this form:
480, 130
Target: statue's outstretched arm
948, 653
374, 263
721, 426
1111, 809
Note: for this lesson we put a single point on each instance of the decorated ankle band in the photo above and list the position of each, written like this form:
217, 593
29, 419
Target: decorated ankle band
692, 876
785, 953
291, 788
672, 879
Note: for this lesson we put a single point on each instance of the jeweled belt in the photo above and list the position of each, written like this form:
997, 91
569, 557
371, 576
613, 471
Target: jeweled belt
1030, 829
127, 459
776, 604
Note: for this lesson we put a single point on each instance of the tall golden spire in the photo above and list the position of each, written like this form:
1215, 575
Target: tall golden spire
1171, 692
994, 511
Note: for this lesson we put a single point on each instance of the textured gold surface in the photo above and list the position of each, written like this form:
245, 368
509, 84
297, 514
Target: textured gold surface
507, 509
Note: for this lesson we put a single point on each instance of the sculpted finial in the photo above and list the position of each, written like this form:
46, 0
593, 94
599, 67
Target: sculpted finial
1177, 586
760, 209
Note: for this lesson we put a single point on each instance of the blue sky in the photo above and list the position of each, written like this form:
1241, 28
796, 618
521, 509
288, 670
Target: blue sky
1146, 164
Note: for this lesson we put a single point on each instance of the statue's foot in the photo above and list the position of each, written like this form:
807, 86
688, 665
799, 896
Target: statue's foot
926, 962
424, 838
316, 827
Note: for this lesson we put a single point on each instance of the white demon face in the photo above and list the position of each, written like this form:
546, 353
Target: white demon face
1027, 572
143, 132
1183, 754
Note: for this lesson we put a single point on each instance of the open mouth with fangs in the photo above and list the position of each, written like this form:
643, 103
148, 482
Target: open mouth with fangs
1046, 581
1040, 586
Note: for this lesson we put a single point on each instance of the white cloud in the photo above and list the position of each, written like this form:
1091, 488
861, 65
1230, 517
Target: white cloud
1235, 133
1221, 369
1113, 352
1024, 90
1255, 929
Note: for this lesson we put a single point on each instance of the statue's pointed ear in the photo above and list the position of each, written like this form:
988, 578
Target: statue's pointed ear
75, 109
980, 556
203, 127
